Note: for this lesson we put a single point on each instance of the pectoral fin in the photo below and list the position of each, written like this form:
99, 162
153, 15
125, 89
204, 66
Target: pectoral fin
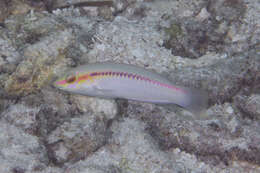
106, 93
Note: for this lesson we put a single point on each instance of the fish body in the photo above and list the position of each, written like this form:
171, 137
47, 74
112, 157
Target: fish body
111, 80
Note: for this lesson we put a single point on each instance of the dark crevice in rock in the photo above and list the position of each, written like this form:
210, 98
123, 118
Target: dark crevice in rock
212, 154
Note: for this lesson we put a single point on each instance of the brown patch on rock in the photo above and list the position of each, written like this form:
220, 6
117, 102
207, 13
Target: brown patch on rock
4, 10
16, 7
252, 155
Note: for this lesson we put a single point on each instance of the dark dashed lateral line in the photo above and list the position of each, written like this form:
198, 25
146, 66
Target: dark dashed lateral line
134, 76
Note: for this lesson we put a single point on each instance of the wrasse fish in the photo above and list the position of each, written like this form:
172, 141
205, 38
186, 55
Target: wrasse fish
111, 80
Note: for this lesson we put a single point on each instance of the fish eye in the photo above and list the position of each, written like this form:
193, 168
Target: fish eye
71, 79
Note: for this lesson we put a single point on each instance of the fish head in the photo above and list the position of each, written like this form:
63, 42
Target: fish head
74, 82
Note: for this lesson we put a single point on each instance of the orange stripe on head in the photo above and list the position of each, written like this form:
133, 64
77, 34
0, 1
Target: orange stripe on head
83, 77
92, 76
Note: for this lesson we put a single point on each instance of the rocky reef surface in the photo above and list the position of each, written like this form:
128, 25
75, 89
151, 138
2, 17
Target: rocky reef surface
206, 44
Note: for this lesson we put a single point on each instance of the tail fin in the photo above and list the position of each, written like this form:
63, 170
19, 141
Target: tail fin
197, 101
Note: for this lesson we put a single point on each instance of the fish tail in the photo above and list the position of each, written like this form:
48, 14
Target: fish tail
197, 101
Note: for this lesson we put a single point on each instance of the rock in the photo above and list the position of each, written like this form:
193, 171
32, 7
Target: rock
193, 37
140, 45
20, 151
250, 105
38, 67
107, 107
49, 169
227, 10
203, 15
22, 117
212, 46
229, 76
129, 149
17, 7
222, 136
51, 115
78, 138
8, 54
3, 10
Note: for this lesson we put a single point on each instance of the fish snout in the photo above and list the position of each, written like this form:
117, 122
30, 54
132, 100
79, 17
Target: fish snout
55, 82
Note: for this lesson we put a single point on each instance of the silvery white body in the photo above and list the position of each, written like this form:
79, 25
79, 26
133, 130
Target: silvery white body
140, 90
133, 89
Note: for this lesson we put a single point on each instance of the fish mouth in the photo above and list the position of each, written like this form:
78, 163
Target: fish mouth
55, 83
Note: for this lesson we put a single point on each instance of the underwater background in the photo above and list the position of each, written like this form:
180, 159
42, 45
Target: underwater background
209, 45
